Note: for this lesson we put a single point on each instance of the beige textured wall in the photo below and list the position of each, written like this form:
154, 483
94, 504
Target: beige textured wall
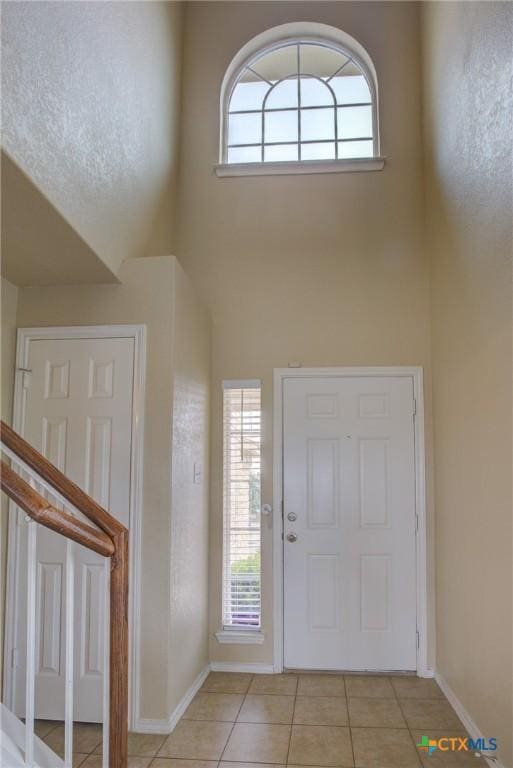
324, 269
468, 104
146, 296
190, 500
90, 98
9, 302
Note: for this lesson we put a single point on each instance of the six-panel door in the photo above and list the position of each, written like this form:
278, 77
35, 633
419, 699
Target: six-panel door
349, 498
78, 413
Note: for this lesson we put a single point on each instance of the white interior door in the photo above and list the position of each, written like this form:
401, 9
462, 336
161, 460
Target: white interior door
78, 413
349, 523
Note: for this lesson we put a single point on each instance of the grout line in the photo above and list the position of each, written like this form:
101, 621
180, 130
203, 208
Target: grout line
292, 725
234, 722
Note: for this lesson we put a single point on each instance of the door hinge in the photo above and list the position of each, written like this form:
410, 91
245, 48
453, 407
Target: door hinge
416, 522
418, 639
414, 406
25, 376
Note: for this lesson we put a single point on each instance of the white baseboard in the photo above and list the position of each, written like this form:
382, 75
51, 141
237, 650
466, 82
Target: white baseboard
166, 726
425, 672
257, 668
470, 726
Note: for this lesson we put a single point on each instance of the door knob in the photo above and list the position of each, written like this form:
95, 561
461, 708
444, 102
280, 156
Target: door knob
292, 537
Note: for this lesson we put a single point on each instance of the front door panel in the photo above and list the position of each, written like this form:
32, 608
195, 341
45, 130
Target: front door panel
349, 508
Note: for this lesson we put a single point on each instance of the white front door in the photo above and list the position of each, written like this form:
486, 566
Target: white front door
77, 413
349, 523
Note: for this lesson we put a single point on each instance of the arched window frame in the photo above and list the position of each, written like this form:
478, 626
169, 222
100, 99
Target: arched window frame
270, 40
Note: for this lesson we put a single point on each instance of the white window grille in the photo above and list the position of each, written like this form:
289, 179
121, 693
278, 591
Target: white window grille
301, 101
241, 502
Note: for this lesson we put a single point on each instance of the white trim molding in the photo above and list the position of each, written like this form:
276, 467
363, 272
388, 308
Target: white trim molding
473, 730
291, 168
255, 668
416, 374
167, 725
239, 637
138, 334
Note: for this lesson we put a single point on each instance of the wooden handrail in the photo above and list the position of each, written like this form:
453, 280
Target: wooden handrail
46, 514
111, 540
72, 492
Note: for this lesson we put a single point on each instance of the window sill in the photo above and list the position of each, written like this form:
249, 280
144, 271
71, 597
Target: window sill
240, 637
306, 166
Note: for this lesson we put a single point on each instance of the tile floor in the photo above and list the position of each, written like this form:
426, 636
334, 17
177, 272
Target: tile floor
267, 721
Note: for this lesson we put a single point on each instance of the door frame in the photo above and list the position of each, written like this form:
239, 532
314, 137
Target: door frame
415, 373
138, 334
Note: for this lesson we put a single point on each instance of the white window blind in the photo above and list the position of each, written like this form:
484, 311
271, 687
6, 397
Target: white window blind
241, 500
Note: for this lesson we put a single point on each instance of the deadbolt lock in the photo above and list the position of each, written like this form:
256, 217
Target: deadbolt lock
292, 516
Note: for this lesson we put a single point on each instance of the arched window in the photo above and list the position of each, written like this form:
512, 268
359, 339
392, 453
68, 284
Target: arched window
299, 93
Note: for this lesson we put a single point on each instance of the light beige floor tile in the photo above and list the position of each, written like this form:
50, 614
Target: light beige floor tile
43, 727
141, 744
95, 761
383, 748
369, 687
227, 682
321, 685
249, 765
86, 737
144, 744
265, 708
321, 710
375, 713
449, 759
320, 745
416, 688
170, 762
424, 713
196, 740
222, 707
280, 684
258, 742
78, 760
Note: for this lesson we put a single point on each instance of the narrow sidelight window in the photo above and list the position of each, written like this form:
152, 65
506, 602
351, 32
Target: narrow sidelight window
241, 503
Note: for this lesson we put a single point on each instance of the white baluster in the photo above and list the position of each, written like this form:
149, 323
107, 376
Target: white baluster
68, 695
106, 663
31, 642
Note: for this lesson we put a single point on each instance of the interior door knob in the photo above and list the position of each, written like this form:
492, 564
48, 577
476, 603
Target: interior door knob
292, 537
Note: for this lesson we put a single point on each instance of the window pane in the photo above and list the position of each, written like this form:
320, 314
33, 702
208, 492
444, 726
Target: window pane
320, 60
244, 155
277, 64
354, 122
245, 129
351, 89
348, 149
315, 93
241, 505
324, 151
283, 95
317, 124
281, 152
280, 126
248, 95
